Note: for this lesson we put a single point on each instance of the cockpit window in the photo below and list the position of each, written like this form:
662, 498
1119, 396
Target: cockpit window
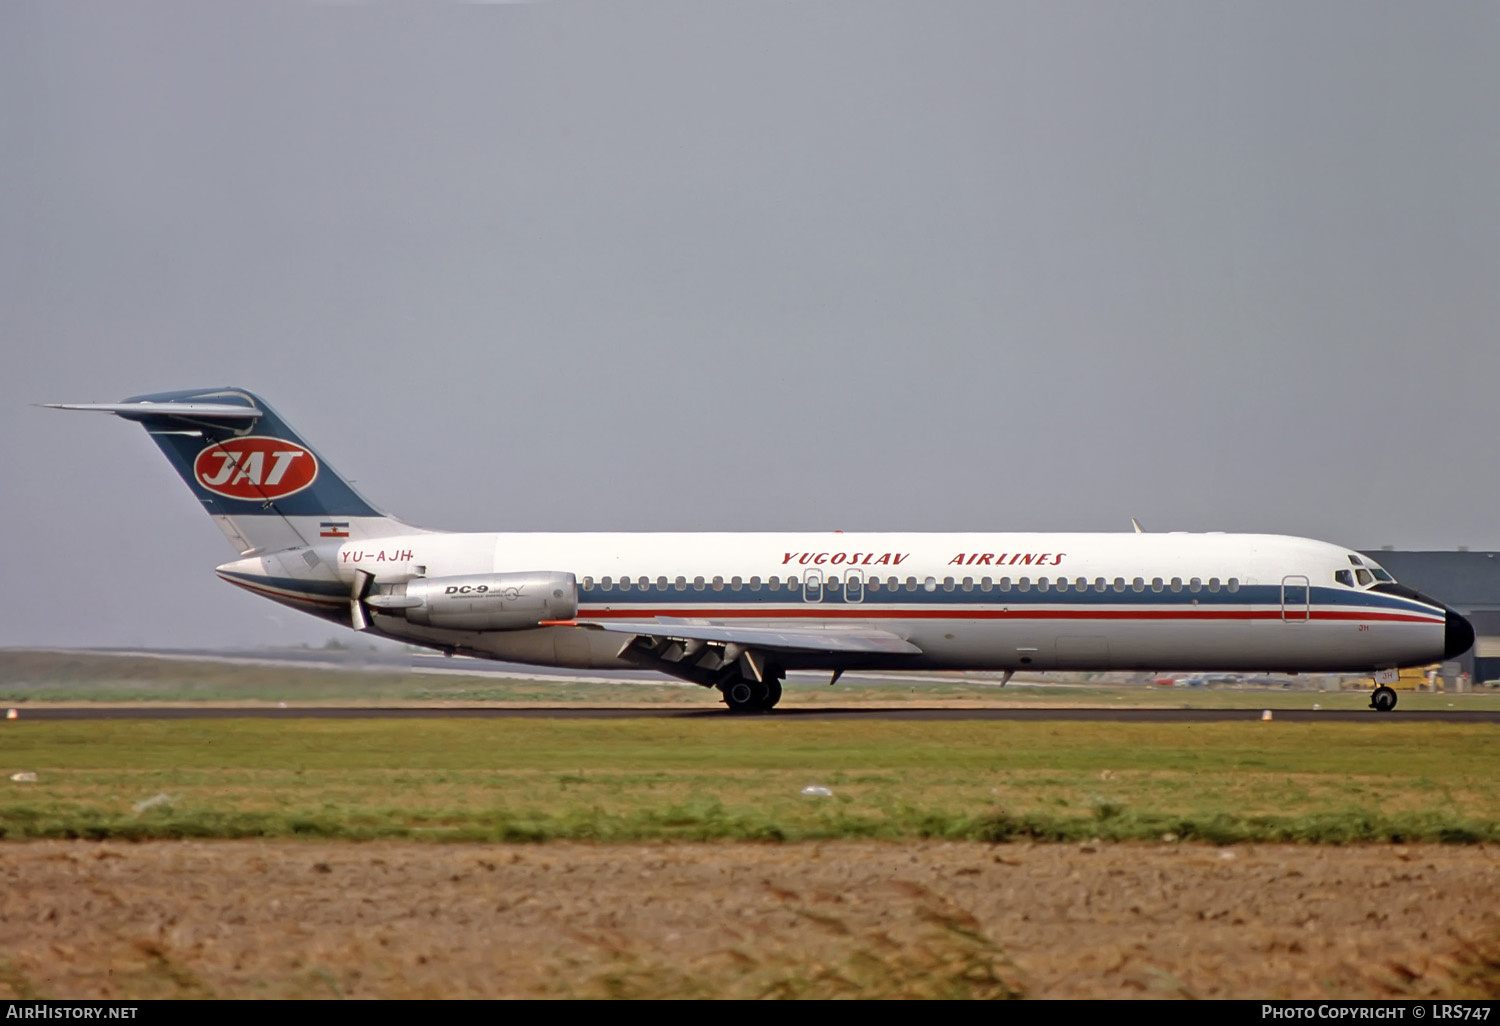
1370, 571
1344, 577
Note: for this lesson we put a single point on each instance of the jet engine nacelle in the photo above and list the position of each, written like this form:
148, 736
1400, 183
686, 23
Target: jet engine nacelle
484, 602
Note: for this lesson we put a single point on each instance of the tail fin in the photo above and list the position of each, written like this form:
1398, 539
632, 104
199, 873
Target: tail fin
264, 486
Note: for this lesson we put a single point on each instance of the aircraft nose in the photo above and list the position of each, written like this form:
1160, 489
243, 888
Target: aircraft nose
1458, 635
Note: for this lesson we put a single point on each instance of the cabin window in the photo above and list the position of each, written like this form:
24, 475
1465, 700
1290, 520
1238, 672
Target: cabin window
1100, 584
1177, 584
873, 584
1062, 584
1213, 584
1139, 584
606, 582
755, 584
680, 584
1157, 584
968, 584
791, 583
930, 584
1233, 584
624, 583
1024, 584
985, 584
1005, 584
1119, 584
735, 584
718, 584
948, 584
588, 582
774, 583
911, 584
1081, 583
1196, 584
1041, 584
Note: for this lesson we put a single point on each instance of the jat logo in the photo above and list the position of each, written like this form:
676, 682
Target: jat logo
255, 468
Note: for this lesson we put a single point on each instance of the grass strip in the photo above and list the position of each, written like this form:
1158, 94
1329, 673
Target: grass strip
646, 780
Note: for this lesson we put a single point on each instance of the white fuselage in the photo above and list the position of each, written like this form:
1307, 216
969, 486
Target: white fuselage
980, 601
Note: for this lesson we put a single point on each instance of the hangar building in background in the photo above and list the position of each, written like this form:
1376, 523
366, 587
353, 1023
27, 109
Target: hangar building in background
1468, 582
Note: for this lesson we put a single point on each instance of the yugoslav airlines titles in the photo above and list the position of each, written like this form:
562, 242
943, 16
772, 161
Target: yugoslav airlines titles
897, 558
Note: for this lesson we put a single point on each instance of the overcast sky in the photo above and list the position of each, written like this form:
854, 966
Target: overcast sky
746, 266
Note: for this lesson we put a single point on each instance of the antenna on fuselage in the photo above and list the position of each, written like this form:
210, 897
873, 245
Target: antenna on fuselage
1137, 525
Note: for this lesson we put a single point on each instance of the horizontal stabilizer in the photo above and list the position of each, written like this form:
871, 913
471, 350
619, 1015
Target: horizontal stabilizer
135, 411
834, 640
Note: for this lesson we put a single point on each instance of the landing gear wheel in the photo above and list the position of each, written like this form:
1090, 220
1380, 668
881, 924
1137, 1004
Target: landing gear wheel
768, 692
1383, 699
742, 696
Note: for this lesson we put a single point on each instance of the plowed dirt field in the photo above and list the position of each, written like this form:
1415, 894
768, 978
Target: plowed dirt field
404, 920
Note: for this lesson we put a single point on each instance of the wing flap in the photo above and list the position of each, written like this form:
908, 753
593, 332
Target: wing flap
806, 640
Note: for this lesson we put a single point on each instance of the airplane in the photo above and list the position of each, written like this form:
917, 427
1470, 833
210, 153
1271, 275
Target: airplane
735, 612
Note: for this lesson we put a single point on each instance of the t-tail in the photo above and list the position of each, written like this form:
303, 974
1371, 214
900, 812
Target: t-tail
265, 487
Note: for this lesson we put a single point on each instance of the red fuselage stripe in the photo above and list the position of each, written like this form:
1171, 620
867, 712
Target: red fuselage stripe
857, 612
817, 612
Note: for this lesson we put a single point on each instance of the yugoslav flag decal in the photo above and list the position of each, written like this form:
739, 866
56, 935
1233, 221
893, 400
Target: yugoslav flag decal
255, 468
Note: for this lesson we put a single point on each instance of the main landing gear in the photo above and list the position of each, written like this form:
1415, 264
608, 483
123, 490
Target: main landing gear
748, 680
1383, 699
743, 695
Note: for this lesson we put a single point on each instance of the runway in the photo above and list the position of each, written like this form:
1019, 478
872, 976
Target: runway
934, 713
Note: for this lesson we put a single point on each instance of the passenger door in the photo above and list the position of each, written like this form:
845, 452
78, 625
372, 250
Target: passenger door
1296, 599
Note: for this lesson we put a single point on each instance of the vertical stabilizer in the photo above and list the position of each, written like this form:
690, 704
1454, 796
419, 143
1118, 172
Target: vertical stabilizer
264, 486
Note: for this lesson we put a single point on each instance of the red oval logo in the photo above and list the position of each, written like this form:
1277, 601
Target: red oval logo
255, 468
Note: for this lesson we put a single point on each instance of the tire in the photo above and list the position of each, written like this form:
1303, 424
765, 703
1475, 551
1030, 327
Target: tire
769, 693
1383, 699
742, 696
